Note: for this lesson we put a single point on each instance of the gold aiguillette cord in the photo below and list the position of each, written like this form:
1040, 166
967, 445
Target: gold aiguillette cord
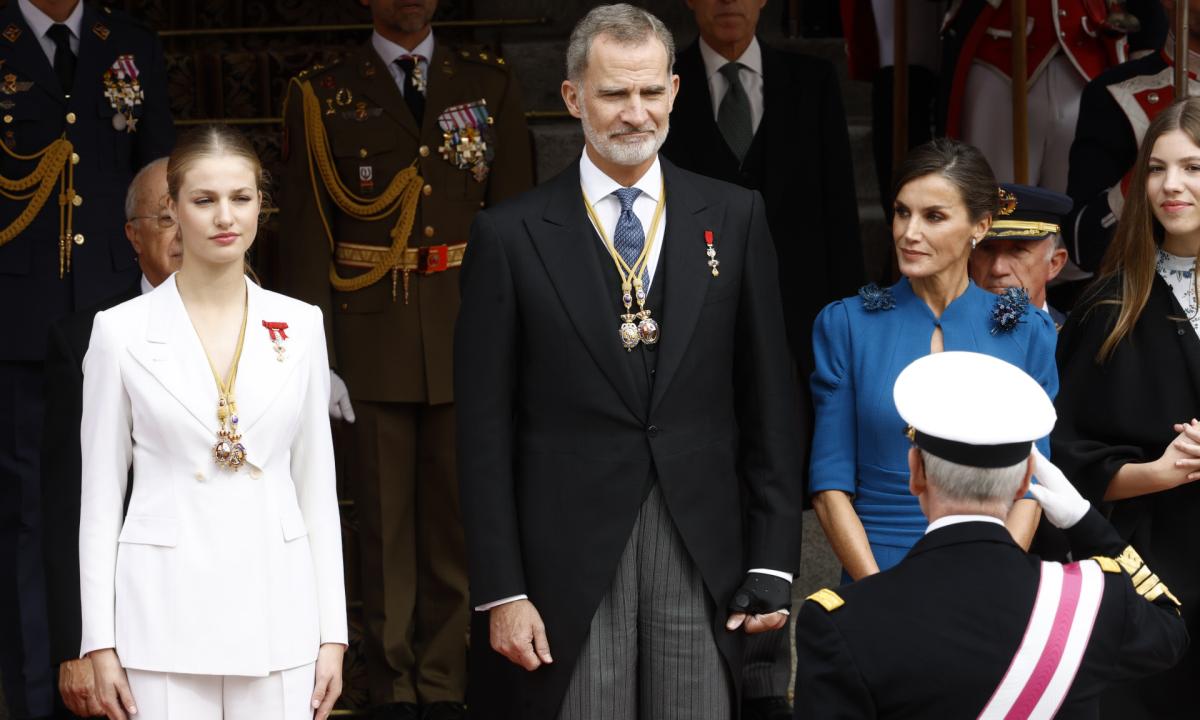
647, 329
228, 451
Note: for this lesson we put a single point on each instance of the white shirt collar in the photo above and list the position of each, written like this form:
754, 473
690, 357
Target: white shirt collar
39, 22
390, 51
146, 286
751, 58
597, 186
956, 519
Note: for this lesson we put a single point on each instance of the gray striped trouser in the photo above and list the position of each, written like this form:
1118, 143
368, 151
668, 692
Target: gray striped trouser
650, 653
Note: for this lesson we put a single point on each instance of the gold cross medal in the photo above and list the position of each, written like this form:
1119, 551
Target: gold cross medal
124, 92
468, 141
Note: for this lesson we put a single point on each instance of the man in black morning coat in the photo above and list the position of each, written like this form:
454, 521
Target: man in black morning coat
575, 453
968, 624
57, 79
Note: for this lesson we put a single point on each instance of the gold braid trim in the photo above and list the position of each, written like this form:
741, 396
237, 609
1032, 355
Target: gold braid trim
54, 165
402, 193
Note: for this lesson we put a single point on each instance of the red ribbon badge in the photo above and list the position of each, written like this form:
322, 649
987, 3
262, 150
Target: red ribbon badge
278, 330
713, 262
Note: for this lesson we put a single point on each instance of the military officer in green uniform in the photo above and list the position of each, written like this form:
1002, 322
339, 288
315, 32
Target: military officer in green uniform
389, 154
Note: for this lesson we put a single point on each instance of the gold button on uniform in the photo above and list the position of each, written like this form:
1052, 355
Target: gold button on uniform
70, 118
428, 231
362, 152
8, 118
77, 200
74, 158
423, 150
427, 190
79, 239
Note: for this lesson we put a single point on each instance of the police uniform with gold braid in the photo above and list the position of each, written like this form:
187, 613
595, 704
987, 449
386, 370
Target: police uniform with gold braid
66, 159
374, 224
935, 635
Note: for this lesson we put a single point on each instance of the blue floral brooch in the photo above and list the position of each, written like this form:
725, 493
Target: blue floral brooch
876, 298
1010, 307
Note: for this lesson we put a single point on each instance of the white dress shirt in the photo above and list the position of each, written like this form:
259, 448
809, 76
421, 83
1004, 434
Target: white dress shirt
956, 519
389, 52
39, 22
598, 188
751, 75
146, 286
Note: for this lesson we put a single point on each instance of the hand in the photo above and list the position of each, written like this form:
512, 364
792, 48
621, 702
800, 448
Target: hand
754, 624
760, 604
1061, 502
77, 685
518, 634
339, 399
1181, 459
327, 683
112, 686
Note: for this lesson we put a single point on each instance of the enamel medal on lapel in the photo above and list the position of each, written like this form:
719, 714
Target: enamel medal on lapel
278, 331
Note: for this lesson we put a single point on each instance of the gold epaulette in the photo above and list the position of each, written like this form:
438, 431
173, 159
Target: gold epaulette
318, 68
1145, 582
827, 599
1107, 564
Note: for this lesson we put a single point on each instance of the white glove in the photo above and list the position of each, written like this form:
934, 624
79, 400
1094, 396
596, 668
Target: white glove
339, 399
1061, 502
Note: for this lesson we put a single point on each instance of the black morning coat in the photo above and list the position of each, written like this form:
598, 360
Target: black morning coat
1123, 411
36, 112
62, 469
800, 161
933, 636
562, 432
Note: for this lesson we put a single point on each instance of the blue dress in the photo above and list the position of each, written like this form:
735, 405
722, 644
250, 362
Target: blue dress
860, 446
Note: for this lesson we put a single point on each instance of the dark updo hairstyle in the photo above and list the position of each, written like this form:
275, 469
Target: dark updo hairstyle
962, 165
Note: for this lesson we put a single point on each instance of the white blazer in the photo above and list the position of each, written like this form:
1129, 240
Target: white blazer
211, 571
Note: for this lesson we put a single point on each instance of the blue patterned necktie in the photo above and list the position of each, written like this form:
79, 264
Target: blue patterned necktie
629, 238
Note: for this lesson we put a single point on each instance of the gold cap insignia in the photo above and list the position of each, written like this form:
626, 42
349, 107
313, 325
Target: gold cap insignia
1008, 202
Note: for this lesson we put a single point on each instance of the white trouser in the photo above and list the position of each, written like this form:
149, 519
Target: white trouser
282, 695
1052, 110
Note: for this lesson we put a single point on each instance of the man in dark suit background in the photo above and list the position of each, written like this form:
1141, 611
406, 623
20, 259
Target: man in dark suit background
152, 233
601, 466
781, 130
70, 72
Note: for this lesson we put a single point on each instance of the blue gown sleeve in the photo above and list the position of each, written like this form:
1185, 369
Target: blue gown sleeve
834, 451
1039, 361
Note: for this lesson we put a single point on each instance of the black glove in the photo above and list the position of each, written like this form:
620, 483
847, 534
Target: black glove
761, 594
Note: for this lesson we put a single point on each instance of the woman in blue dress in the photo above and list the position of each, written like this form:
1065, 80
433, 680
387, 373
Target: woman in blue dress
946, 196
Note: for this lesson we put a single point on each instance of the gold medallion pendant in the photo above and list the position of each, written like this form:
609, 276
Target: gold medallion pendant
228, 451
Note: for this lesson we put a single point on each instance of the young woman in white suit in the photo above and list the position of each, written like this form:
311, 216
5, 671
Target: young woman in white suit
219, 594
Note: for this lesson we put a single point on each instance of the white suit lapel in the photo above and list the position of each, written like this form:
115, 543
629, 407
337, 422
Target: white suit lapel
261, 373
173, 355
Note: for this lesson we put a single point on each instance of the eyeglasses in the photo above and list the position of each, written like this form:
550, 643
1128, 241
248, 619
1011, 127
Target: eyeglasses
165, 222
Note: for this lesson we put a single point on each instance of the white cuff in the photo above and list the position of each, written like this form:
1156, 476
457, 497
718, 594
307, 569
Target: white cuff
777, 573
496, 603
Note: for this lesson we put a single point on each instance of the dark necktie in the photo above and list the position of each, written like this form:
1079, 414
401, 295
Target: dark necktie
733, 115
414, 97
629, 237
64, 59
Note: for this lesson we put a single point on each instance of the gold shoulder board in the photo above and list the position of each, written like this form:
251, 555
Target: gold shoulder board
1107, 564
827, 599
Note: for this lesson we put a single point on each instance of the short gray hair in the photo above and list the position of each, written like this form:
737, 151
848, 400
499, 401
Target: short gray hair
626, 24
974, 484
134, 191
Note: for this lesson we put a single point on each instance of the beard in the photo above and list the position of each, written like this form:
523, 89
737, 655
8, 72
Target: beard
611, 147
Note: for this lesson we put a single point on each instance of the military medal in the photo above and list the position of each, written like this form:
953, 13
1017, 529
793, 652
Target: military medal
278, 332
713, 262
124, 92
228, 452
467, 138
636, 327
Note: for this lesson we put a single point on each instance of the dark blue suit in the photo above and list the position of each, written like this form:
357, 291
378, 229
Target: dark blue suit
34, 112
